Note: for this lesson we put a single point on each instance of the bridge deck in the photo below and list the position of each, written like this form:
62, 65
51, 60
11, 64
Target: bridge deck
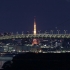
37, 35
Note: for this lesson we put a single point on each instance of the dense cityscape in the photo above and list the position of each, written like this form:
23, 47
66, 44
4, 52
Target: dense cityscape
12, 44
34, 34
36, 42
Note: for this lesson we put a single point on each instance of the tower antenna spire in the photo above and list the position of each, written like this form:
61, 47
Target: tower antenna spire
34, 25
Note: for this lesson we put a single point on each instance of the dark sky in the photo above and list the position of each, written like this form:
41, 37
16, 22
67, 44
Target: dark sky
18, 15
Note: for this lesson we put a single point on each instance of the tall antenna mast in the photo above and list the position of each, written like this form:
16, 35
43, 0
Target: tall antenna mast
34, 25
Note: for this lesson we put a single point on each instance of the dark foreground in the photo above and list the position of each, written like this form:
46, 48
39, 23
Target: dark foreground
38, 61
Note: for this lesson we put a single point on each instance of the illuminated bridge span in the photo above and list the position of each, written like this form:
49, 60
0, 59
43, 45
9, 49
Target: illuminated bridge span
36, 36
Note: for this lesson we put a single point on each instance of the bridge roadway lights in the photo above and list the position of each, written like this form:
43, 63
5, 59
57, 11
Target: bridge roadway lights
36, 36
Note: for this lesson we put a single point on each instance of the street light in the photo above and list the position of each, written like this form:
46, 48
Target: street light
17, 32
39, 31
65, 31
51, 32
46, 32
27, 32
58, 31
22, 32
11, 33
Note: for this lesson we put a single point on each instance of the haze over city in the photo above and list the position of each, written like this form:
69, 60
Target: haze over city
18, 15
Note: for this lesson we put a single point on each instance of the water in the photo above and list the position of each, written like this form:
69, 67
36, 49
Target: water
1, 63
3, 60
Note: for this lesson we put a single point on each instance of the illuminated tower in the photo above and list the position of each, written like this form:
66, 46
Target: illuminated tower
34, 26
34, 32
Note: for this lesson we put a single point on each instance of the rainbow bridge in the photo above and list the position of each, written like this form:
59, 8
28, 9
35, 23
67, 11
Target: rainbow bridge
19, 36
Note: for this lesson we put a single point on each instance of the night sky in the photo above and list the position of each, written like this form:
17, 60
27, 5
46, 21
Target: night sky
18, 15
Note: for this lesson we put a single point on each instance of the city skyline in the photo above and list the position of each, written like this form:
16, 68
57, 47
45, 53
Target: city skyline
50, 15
